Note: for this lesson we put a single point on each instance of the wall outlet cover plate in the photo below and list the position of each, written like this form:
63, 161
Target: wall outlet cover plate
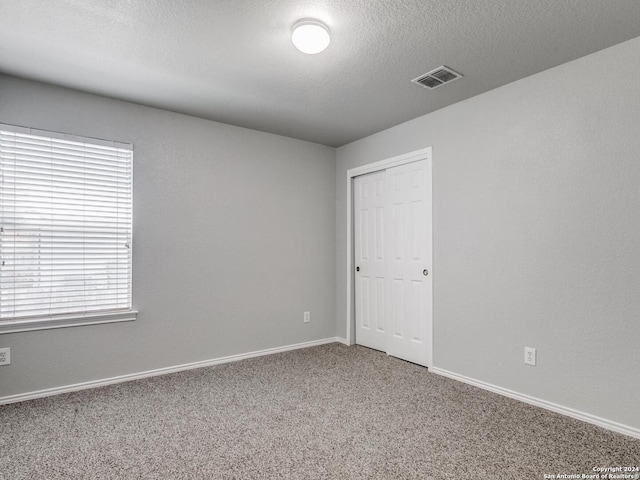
530, 356
5, 356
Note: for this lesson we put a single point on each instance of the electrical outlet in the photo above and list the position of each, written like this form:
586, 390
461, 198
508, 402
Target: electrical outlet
5, 356
530, 356
307, 317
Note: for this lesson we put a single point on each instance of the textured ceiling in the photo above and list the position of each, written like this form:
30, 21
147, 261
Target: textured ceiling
233, 61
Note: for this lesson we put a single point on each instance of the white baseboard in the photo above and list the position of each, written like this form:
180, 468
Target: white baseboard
570, 412
162, 371
342, 341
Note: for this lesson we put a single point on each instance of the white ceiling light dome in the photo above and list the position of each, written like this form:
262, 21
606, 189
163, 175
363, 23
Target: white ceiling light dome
310, 36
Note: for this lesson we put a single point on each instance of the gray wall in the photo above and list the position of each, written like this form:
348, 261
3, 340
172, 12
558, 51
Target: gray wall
536, 231
234, 237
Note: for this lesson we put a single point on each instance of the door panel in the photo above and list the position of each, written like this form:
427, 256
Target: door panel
409, 202
370, 258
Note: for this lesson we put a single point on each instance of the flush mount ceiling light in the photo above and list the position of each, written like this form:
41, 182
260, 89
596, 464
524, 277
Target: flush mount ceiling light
310, 36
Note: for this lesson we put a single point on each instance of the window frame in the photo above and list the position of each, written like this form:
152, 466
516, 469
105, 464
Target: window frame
42, 322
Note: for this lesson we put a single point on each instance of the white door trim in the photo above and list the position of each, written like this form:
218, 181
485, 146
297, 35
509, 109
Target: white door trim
423, 154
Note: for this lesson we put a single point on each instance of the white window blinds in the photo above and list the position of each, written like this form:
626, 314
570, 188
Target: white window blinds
65, 218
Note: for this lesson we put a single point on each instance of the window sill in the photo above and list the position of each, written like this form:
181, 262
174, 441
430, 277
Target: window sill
63, 321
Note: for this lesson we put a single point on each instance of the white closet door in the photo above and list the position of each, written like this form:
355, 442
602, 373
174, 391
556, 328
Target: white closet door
408, 236
369, 227
392, 233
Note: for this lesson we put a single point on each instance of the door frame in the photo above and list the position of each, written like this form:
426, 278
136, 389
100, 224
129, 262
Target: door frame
417, 155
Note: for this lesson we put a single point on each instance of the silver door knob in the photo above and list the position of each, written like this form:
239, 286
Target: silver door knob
425, 272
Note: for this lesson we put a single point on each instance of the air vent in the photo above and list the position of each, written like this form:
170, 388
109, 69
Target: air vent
436, 77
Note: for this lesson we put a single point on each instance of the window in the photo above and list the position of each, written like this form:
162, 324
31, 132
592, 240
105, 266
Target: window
65, 230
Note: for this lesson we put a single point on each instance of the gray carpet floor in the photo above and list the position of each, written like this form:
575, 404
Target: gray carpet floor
329, 412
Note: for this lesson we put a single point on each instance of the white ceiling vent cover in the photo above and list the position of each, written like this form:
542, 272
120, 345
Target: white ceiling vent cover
437, 77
